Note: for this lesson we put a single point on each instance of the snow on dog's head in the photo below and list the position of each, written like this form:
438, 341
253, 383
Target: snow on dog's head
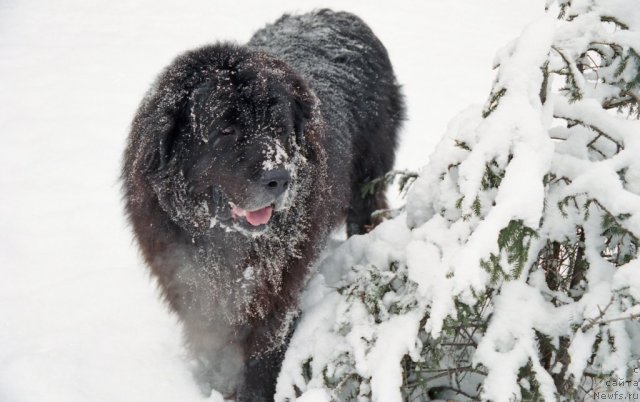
235, 159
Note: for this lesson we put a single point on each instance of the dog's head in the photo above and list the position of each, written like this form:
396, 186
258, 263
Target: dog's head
237, 139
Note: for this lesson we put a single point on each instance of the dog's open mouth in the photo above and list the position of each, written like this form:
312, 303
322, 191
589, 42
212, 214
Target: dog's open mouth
255, 218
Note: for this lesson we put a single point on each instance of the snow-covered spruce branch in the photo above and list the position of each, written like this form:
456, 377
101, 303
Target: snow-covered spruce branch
513, 271
404, 179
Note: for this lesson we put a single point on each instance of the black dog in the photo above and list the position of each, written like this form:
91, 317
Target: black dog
240, 161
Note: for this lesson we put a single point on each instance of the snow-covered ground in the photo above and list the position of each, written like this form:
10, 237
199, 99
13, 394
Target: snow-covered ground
79, 318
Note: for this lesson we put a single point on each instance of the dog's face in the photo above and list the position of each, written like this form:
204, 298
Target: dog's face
241, 144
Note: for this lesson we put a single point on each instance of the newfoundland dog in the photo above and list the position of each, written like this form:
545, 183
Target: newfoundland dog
240, 161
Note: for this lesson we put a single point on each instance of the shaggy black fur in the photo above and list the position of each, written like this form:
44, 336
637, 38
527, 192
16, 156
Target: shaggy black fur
289, 126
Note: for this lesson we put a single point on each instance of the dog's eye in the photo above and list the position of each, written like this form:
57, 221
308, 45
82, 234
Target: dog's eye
227, 130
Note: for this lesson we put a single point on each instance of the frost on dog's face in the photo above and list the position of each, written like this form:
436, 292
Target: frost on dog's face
240, 147
231, 150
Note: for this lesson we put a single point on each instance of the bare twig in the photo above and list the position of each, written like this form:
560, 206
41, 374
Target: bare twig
592, 322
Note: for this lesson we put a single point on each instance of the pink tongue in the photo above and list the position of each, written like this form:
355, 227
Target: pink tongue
259, 217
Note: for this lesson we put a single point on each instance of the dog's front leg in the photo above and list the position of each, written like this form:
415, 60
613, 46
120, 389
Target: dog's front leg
261, 373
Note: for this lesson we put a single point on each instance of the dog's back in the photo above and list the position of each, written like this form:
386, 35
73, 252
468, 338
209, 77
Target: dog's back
349, 70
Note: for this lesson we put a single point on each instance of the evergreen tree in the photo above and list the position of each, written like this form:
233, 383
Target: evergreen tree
513, 272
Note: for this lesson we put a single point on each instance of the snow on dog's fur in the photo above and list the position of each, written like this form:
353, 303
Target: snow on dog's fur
240, 161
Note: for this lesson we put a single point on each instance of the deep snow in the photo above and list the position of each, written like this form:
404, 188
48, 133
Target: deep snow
80, 319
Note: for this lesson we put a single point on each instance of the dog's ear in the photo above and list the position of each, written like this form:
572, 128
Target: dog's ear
156, 129
169, 120
302, 110
197, 114
165, 146
188, 118
153, 133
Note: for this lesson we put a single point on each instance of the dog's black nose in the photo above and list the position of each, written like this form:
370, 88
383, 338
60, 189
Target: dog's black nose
276, 181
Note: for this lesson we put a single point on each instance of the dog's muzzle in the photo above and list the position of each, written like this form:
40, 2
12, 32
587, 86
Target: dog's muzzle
267, 195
